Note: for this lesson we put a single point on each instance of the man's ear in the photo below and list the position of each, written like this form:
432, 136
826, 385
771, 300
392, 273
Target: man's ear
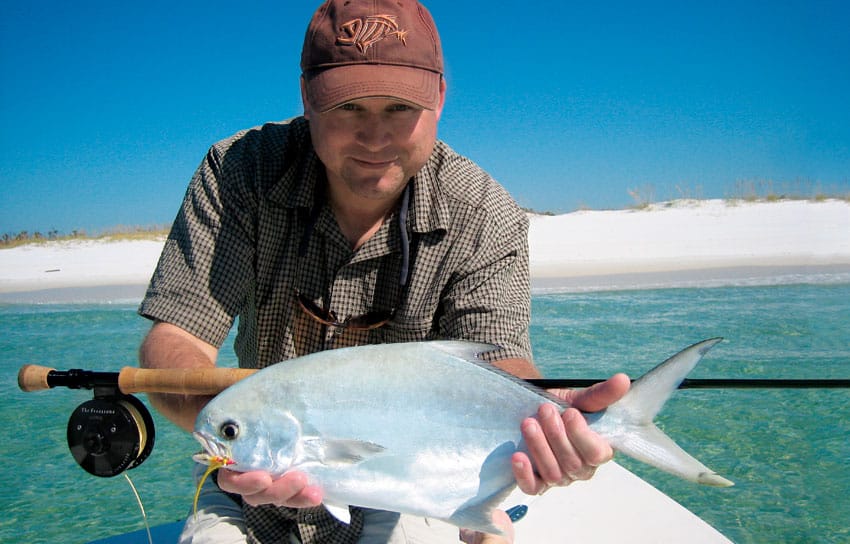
439, 109
305, 102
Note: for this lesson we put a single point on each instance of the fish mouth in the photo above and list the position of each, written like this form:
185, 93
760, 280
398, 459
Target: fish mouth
214, 451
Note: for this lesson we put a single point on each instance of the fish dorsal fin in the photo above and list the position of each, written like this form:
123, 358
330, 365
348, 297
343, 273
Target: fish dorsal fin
336, 451
470, 351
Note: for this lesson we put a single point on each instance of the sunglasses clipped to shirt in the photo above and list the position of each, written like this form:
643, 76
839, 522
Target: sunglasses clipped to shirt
372, 319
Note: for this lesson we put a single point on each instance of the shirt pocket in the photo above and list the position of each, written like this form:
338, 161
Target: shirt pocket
405, 330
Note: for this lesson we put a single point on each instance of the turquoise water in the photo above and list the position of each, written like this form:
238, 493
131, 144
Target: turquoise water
786, 450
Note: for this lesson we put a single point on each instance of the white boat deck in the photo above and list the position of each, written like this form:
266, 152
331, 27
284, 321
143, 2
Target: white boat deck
615, 506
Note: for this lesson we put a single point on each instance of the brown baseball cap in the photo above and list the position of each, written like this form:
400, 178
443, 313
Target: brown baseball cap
372, 48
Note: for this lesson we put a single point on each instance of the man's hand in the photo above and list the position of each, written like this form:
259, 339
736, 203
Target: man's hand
562, 447
257, 487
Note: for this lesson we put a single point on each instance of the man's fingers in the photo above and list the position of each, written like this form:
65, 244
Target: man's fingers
601, 395
545, 461
563, 449
591, 449
565, 460
526, 479
256, 488
243, 483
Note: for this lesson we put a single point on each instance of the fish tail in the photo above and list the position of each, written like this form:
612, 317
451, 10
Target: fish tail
634, 432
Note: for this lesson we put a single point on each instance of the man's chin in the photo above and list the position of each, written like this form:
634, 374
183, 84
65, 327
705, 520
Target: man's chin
378, 188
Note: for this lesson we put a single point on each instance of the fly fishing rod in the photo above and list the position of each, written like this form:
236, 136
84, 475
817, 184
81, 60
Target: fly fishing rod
713, 383
114, 431
211, 381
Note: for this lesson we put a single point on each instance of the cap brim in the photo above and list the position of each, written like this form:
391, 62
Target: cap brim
332, 87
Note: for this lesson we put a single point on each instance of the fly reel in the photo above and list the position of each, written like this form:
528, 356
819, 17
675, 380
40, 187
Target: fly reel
107, 435
110, 434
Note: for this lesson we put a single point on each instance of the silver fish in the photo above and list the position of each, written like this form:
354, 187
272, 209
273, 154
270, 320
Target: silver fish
422, 428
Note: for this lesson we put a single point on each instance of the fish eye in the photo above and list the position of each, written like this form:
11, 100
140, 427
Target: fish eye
229, 430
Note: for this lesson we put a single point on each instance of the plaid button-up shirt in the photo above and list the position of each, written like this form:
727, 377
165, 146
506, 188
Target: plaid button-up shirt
240, 246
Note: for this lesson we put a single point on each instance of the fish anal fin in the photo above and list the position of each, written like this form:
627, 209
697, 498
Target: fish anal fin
477, 519
341, 513
479, 516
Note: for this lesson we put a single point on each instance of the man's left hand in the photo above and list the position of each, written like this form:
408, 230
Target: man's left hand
562, 447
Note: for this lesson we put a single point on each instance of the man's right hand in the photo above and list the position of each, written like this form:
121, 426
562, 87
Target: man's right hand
258, 487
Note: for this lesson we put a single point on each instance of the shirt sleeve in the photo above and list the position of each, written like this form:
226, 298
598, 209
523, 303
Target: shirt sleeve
205, 272
489, 298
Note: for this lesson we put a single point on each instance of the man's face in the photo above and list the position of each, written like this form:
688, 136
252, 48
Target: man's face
370, 147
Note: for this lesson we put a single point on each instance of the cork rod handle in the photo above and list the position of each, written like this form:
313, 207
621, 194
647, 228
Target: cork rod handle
206, 381
198, 381
33, 378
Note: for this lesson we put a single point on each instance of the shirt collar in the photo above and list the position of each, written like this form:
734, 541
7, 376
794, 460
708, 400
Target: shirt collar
302, 172
430, 211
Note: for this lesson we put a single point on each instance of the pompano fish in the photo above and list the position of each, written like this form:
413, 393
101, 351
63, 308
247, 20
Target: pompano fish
422, 428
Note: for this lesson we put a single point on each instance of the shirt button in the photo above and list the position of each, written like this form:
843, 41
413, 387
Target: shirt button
309, 518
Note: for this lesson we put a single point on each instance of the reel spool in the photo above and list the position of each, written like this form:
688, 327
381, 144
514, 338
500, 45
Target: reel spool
110, 434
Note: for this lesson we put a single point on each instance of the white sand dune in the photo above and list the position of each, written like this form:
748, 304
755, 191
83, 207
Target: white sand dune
682, 243
664, 244
691, 235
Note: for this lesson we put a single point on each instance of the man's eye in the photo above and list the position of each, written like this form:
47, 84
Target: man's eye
348, 107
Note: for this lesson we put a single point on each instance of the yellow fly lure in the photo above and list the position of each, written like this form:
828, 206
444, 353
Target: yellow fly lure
215, 462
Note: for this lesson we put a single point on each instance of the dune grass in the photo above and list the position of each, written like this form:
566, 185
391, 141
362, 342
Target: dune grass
757, 190
113, 234
644, 197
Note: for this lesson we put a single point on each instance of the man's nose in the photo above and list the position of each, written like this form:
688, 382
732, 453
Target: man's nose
374, 132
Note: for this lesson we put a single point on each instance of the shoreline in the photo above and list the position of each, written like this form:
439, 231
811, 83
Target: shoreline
676, 244
733, 276
91, 294
730, 276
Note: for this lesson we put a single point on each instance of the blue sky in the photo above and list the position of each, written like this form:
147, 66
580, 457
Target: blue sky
107, 109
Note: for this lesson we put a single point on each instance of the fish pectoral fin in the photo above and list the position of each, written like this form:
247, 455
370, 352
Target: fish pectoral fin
333, 451
341, 513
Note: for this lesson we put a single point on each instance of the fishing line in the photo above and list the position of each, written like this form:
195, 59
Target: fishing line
141, 507
139, 423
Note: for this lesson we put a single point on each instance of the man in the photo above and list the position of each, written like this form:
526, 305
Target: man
351, 225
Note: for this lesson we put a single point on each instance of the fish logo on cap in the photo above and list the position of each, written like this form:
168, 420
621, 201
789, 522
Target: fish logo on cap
365, 32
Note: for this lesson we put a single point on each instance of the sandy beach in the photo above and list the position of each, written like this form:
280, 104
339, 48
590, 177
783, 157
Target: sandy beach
680, 243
